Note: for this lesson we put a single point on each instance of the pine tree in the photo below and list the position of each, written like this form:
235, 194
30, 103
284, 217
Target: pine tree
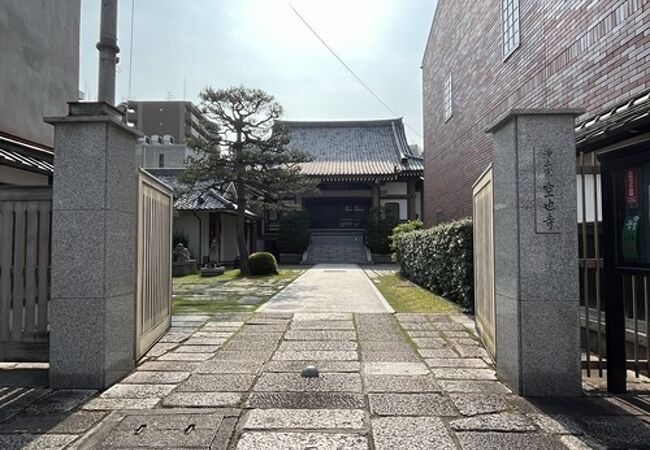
246, 147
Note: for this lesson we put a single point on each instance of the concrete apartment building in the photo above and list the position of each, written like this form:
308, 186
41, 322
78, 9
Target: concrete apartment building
161, 153
179, 119
485, 57
39, 74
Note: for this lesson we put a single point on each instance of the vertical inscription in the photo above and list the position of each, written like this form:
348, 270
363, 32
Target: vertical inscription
547, 193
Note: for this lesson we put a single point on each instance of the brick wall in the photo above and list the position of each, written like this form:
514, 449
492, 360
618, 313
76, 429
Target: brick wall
586, 53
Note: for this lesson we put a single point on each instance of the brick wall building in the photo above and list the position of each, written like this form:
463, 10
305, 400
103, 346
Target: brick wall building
592, 54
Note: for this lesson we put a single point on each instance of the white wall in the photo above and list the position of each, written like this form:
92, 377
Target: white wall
590, 203
339, 193
39, 65
229, 250
397, 188
148, 155
403, 205
187, 223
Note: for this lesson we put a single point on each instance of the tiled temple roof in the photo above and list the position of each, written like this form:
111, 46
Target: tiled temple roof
626, 119
355, 148
211, 200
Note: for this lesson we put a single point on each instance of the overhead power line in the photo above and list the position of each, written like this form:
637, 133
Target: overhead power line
348, 68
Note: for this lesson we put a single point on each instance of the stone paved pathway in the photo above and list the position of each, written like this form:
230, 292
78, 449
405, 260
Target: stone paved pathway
232, 381
227, 294
330, 288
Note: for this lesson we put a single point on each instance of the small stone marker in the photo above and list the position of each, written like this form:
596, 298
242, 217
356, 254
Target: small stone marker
310, 372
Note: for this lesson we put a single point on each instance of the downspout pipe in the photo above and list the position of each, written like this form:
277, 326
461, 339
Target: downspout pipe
200, 255
108, 51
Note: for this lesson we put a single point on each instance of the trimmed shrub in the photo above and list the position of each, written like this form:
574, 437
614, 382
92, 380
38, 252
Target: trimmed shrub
407, 227
262, 263
379, 226
293, 234
441, 260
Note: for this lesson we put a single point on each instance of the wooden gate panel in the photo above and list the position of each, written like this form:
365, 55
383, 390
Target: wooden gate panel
25, 224
484, 294
154, 263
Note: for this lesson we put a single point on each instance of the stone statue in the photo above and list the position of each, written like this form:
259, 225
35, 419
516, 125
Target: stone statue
180, 253
214, 251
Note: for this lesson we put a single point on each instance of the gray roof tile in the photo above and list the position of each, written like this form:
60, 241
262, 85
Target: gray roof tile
368, 147
211, 200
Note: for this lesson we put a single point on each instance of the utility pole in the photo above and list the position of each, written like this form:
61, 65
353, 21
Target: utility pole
108, 51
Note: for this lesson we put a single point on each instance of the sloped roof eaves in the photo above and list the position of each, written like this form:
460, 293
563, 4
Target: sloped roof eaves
315, 168
374, 147
633, 114
26, 157
208, 201
211, 200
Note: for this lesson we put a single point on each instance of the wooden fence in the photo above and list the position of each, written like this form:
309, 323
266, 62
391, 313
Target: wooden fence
25, 232
484, 295
154, 261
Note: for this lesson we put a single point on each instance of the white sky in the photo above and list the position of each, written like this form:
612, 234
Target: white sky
263, 44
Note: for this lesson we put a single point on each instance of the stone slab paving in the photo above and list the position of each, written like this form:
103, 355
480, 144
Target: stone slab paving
380, 387
330, 288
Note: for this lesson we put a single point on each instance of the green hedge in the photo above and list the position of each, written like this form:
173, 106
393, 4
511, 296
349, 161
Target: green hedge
440, 259
403, 228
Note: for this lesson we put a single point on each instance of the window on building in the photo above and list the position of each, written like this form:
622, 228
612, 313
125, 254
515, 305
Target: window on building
440, 217
392, 211
161, 160
449, 99
510, 22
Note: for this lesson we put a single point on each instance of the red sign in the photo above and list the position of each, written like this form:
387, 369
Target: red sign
631, 188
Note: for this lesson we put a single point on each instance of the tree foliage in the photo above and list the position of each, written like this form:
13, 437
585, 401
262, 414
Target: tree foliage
293, 233
247, 147
379, 225
402, 228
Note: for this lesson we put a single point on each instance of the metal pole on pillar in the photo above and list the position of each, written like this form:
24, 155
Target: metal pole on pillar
108, 51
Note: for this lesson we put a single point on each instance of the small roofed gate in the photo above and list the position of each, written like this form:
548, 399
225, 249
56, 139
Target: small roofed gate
25, 233
154, 261
484, 294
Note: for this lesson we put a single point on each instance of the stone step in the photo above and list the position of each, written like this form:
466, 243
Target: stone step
337, 246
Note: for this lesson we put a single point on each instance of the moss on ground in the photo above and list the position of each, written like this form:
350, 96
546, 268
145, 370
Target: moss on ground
407, 297
263, 286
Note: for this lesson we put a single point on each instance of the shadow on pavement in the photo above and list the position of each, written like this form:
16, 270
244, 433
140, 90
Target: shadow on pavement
598, 420
32, 414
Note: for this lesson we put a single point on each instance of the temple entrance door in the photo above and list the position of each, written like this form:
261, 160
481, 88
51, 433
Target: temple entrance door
342, 212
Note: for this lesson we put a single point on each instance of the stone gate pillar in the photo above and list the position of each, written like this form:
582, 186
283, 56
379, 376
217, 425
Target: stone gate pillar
93, 248
536, 252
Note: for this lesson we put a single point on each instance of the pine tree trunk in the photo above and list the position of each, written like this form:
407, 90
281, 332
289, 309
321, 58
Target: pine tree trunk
241, 229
